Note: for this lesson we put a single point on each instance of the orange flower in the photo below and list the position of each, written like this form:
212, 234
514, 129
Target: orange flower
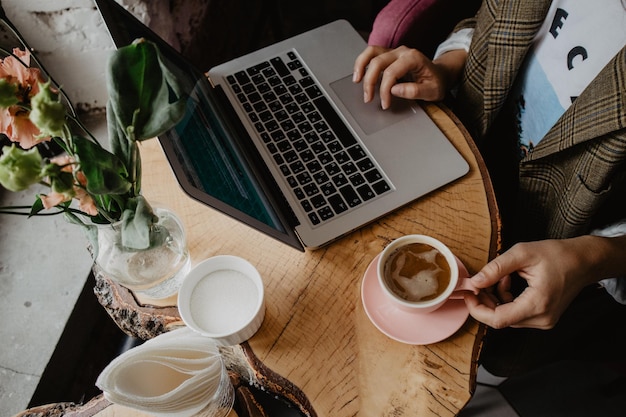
86, 203
14, 121
65, 161
17, 69
52, 199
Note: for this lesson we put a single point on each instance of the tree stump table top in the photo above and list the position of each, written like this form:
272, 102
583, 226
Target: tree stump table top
316, 347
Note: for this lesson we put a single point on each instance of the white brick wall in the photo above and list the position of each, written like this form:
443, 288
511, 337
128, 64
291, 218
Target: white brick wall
72, 41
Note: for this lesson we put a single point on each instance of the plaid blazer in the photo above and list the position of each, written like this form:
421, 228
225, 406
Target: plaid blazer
575, 178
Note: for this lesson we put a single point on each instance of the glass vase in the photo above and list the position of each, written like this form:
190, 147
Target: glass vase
156, 272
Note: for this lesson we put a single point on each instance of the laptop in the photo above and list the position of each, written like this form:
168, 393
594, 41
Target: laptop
281, 140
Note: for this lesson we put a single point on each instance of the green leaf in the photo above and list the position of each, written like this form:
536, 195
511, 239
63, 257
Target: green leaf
137, 220
120, 145
105, 173
36, 207
145, 95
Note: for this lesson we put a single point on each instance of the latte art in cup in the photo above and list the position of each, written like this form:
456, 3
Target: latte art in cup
417, 272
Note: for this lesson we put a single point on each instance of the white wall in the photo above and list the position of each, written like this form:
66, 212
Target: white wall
73, 44
71, 41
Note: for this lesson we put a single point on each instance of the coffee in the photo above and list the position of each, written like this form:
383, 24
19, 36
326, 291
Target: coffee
417, 272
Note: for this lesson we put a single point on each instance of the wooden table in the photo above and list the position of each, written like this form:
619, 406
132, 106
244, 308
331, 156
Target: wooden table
316, 346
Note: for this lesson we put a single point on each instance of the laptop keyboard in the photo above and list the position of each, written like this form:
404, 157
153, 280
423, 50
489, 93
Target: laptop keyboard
324, 164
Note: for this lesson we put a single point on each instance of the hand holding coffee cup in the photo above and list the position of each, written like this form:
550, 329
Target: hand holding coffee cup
419, 273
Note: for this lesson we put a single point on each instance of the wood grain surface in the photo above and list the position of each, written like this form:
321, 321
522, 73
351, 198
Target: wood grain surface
316, 342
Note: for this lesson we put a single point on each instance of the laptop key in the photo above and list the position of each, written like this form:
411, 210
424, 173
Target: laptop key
381, 187
334, 147
332, 169
310, 189
258, 79
318, 201
328, 189
365, 165
269, 71
292, 108
317, 147
373, 176
349, 168
301, 99
340, 180
366, 192
325, 213
307, 156
313, 217
321, 177
337, 203
275, 106
357, 179
307, 82
242, 77
301, 146
280, 66
290, 156
306, 205
280, 161
292, 182
266, 116
277, 83
356, 152
351, 197
308, 107
294, 89
325, 158
268, 96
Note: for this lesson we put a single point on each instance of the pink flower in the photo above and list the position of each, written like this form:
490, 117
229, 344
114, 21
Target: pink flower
86, 203
14, 120
65, 161
15, 123
53, 199
19, 69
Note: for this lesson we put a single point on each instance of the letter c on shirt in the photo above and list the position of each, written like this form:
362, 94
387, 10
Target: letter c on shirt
573, 53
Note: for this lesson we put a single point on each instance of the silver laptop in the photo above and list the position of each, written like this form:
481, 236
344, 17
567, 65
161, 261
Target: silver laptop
281, 140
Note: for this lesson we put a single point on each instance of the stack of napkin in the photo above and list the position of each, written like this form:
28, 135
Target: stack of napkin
176, 374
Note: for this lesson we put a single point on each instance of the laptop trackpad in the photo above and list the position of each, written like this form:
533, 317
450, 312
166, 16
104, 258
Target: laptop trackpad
370, 116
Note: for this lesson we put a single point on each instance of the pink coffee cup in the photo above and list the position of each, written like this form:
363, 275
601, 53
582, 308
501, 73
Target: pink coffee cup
404, 290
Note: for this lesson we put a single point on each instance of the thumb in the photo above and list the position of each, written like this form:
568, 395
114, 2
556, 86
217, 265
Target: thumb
495, 271
480, 280
407, 90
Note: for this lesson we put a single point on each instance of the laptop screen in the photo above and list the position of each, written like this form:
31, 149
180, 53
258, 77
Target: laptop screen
211, 162
210, 152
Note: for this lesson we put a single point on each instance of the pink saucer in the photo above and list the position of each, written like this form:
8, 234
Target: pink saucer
404, 326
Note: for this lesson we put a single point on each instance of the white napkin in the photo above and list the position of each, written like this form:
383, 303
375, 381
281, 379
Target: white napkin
176, 374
